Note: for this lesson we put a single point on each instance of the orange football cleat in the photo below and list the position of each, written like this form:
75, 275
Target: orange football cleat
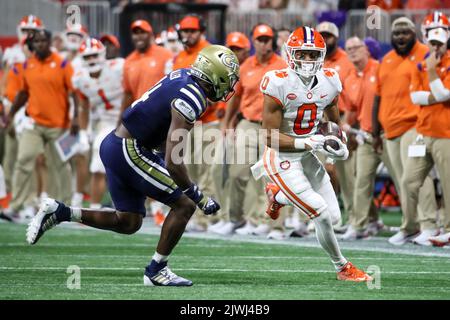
159, 218
273, 210
352, 273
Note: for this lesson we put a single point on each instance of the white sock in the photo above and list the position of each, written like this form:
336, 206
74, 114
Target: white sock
327, 239
159, 257
75, 214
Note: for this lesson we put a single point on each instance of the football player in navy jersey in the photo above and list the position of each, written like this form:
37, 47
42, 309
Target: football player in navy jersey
135, 169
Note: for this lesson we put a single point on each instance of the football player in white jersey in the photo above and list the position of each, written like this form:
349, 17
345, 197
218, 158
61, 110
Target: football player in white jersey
295, 100
73, 36
100, 86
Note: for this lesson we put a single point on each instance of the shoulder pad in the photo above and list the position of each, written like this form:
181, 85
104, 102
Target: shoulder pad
185, 109
333, 78
273, 81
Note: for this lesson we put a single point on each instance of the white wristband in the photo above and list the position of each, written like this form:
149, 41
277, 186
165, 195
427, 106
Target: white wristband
420, 97
438, 90
299, 144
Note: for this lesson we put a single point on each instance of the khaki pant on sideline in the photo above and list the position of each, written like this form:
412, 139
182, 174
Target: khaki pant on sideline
427, 208
240, 177
31, 144
367, 162
416, 172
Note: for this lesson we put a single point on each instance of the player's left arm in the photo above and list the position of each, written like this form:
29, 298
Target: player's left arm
331, 111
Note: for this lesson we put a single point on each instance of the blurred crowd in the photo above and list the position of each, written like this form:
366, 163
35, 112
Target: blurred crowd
63, 92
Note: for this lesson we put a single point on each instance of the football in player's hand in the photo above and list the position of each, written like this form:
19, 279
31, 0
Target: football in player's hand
330, 128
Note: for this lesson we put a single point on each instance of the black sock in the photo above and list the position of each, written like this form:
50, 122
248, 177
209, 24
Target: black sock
154, 267
63, 212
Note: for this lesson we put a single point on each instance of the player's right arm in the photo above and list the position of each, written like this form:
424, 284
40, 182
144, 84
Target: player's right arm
176, 142
175, 149
377, 143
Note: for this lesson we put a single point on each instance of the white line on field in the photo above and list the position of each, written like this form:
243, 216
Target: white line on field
176, 256
216, 270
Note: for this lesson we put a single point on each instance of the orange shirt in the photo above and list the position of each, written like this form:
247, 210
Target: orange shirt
361, 92
340, 62
142, 70
433, 120
48, 84
247, 88
187, 57
184, 60
14, 81
397, 113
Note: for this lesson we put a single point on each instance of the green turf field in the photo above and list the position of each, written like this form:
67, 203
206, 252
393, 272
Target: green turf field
221, 268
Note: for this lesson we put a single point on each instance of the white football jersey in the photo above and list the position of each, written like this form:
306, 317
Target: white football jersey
302, 105
104, 93
13, 55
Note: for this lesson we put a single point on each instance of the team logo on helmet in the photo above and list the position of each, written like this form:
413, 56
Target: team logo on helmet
230, 62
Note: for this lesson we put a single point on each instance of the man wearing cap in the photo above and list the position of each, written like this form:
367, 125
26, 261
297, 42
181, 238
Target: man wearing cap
249, 101
396, 114
337, 59
112, 46
361, 91
191, 30
430, 90
240, 45
146, 65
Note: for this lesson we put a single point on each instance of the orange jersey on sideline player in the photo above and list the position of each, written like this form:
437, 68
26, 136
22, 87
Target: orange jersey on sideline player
248, 86
397, 113
361, 92
340, 62
48, 84
433, 120
142, 71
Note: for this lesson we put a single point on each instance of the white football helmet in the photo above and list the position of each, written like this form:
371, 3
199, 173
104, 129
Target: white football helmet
93, 53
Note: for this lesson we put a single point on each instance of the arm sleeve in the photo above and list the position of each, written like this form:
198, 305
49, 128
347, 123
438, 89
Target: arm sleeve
185, 109
439, 91
420, 97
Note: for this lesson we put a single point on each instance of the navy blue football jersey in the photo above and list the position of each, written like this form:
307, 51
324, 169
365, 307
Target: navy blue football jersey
148, 118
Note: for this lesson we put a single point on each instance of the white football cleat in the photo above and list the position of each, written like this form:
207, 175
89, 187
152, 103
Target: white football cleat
44, 220
165, 277
423, 238
400, 238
